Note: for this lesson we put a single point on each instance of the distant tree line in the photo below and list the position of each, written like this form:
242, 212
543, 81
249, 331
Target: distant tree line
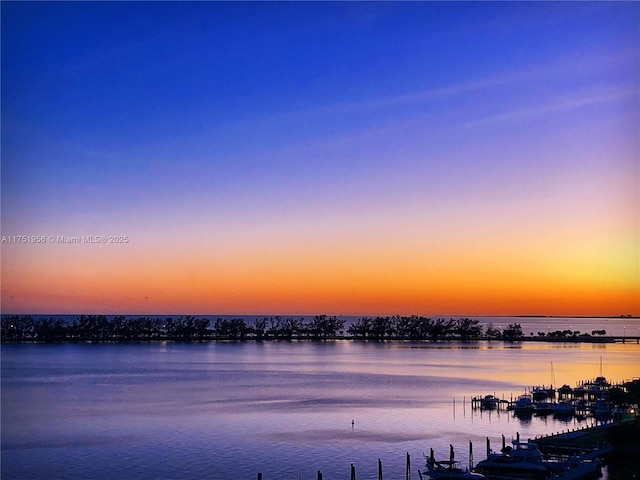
320, 327
99, 328
424, 328
416, 328
572, 334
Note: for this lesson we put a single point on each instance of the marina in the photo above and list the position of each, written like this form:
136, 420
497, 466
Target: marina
570, 455
596, 398
575, 455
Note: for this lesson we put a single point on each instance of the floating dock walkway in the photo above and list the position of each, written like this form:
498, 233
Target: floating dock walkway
589, 442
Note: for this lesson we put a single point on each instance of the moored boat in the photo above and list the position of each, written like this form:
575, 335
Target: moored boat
448, 469
525, 461
489, 402
522, 461
542, 393
523, 404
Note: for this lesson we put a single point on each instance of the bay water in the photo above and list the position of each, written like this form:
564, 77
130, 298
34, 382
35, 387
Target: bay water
285, 409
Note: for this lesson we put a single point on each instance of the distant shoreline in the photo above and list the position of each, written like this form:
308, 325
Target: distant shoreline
251, 315
122, 328
304, 339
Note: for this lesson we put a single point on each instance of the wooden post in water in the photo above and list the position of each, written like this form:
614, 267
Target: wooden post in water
353, 472
518, 437
319, 475
379, 469
488, 447
408, 469
259, 476
470, 455
503, 442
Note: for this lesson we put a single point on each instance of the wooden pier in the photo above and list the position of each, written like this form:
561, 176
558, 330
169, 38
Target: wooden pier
487, 402
585, 438
589, 441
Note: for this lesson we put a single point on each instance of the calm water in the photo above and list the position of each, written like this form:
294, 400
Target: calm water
228, 411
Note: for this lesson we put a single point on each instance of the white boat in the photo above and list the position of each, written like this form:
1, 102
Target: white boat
525, 461
448, 469
523, 404
522, 461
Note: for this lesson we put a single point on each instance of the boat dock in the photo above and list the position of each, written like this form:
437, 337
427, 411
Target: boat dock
588, 442
580, 450
597, 399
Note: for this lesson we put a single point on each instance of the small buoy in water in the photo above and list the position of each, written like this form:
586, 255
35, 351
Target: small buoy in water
353, 423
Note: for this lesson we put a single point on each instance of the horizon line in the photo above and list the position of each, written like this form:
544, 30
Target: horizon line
240, 315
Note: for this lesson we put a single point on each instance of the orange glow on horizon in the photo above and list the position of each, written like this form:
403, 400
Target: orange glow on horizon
289, 291
383, 277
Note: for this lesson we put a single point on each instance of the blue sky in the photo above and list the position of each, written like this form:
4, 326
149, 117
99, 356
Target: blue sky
277, 123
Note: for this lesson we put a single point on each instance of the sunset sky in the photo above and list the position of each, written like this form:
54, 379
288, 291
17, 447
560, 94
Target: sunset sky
302, 158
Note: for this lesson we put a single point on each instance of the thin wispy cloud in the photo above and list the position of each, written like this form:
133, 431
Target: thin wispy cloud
316, 124
556, 107
367, 125
573, 66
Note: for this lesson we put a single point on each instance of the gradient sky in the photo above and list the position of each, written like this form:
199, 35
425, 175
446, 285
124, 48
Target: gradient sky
302, 158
